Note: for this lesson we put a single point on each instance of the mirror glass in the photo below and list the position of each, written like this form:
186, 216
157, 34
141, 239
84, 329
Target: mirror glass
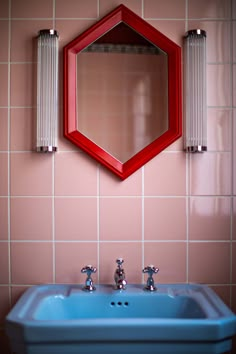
122, 92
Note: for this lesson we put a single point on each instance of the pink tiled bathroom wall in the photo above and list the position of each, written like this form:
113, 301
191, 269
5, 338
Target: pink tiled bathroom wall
59, 212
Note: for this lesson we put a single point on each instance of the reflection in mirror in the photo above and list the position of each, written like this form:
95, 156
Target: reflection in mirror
122, 92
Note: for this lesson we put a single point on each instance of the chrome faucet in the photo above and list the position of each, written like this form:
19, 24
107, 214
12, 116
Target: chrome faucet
119, 276
89, 269
150, 286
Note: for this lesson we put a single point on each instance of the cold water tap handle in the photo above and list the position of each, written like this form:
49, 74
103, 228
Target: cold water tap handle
89, 269
150, 270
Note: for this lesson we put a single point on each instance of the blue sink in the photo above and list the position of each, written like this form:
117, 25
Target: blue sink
63, 319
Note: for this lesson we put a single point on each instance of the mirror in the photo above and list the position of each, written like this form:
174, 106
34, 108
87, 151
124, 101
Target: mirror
122, 93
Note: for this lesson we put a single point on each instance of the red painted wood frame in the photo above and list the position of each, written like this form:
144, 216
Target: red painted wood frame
123, 14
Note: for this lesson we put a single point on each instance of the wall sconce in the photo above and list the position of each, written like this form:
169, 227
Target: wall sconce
47, 91
195, 91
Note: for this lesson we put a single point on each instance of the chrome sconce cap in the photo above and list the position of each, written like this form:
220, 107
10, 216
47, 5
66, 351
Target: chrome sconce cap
47, 91
195, 91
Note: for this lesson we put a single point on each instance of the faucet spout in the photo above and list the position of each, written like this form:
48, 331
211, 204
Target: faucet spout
119, 276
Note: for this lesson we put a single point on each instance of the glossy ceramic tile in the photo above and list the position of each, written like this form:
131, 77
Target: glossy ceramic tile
31, 219
111, 185
75, 174
3, 218
234, 85
234, 219
3, 174
76, 9
218, 39
3, 129
209, 9
234, 262
210, 218
219, 129
4, 9
31, 174
76, 219
31, 8
213, 265
165, 219
17, 291
167, 9
31, 262
4, 85
174, 30
24, 39
234, 40
4, 29
166, 175
120, 219
22, 129
234, 151
223, 292
210, 174
169, 257
4, 264
131, 252
218, 85
71, 258
4, 303
105, 6
23, 89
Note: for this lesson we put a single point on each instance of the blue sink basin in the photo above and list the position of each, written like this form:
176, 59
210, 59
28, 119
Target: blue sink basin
64, 319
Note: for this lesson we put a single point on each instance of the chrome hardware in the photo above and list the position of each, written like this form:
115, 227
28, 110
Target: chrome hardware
150, 281
89, 269
119, 276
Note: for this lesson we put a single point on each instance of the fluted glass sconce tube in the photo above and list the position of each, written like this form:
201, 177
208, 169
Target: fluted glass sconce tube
195, 91
47, 91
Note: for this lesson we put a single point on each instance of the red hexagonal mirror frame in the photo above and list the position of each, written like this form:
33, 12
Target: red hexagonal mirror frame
173, 51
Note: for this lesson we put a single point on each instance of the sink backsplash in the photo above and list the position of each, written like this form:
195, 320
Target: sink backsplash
60, 212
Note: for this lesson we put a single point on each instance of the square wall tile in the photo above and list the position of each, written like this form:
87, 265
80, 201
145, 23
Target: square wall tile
31, 8
110, 185
131, 252
31, 174
170, 258
4, 85
31, 262
3, 174
209, 262
3, 129
165, 174
23, 85
234, 262
3, 218
4, 304
234, 85
31, 219
4, 30
209, 9
16, 292
76, 219
172, 29
75, 174
24, 38
71, 258
210, 174
218, 39
234, 151
210, 218
234, 219
164, 9
76, 8
234, 40
105, 6
158, 212
4, 9
23, 129
218, 85
4, 266
120, 219
219, 129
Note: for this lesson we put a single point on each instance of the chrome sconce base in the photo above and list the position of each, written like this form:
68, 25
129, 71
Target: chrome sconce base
46, 149
197, 148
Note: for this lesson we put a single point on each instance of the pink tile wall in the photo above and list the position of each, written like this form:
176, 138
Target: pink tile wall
59, 212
